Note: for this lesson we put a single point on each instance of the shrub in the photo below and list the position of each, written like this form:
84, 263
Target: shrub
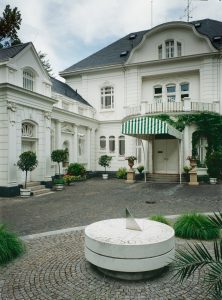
68, 179
76, 169
121, 173
10, 245
140, 169
214, 164
195, 226
203, 178
159, 218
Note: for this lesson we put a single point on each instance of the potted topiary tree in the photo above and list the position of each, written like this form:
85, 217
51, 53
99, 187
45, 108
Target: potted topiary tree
105, 161
59, 156
27, 162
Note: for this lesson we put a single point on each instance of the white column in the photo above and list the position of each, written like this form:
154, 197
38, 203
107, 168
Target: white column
12, 143
58, 135
47, 146
88, 143
75, 148
93, 149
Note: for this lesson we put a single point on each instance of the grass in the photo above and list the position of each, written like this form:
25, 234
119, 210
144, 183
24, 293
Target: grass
10, 245
160, 218
195, 226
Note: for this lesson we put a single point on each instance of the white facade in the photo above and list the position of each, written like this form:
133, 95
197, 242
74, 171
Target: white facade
173, 70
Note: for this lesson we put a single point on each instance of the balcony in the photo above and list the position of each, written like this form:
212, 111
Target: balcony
171, 107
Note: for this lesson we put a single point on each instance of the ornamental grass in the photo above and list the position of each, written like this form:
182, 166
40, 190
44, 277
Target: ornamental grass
10, 245
160, 218
195, 226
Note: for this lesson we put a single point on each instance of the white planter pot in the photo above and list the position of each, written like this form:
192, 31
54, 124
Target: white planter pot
213, 180
59, 187
25, 192
201, 171
105, 176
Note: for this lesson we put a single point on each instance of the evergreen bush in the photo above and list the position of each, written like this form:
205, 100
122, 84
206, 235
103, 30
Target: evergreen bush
76, 169
121, 173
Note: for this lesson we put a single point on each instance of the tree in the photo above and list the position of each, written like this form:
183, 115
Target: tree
9, 25
59, 156
27, 162
45, 62
104, 161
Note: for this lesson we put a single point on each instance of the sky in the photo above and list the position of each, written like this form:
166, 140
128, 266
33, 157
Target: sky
70, 30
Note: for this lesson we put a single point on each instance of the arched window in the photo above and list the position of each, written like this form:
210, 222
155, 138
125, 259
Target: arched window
171, 92
107, 97
28, 79
160, 52
102, 143
28, 130
112, 143
121, 145
179, 49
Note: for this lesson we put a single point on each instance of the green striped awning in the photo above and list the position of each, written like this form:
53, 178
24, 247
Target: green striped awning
143, 126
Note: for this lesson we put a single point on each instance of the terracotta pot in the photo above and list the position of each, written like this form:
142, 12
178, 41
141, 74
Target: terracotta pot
193, 163
130, 163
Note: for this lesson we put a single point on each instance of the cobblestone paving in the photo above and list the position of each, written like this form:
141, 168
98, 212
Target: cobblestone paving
54, 268
96, 199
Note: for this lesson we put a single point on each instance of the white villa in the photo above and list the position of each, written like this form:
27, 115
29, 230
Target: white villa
109, 102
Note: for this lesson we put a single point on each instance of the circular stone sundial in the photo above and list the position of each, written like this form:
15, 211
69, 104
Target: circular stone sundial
129, 249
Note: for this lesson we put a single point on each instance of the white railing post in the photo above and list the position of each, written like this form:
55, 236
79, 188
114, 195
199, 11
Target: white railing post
143, 108
186, 104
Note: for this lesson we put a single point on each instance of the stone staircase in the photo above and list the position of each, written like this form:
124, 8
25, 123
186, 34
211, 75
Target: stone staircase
38, 189
163, 178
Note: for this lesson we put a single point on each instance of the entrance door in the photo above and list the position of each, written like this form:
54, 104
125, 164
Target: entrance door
166, 157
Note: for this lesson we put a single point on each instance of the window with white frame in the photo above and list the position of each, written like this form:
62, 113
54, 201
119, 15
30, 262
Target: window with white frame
171, 92
112, 143
107, 97
139, 151
184, 90
169, 48
160, 52
158, 93
121, 145
81, 145
102, 142
179, 49
28, 80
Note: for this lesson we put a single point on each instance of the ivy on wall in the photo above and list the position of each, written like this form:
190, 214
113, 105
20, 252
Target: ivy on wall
209, 126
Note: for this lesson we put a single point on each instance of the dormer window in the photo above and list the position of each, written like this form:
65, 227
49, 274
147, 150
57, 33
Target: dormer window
28, 80
107, 97
169, 48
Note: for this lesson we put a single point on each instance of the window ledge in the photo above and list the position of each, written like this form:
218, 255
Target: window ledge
107, 110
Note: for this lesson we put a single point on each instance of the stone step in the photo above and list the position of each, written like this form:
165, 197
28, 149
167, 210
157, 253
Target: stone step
41, 192
37, 187
163, 177
45, 194
32, 183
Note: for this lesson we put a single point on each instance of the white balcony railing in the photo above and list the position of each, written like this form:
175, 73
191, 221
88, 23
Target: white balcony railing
171, 107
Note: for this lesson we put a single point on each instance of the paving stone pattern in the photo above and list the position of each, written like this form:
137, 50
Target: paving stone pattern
97, 199
54, 268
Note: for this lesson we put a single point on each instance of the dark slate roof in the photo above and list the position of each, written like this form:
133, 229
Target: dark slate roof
65, 90
6, 53
110, 55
